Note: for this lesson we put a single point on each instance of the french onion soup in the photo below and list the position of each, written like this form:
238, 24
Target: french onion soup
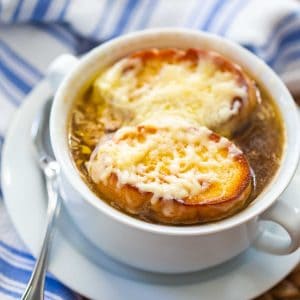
176, 136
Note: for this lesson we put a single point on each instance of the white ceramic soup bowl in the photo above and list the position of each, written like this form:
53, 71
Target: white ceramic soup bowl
162, 248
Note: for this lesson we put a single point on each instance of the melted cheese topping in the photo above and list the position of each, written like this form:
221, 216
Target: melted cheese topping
172, 160
201, 92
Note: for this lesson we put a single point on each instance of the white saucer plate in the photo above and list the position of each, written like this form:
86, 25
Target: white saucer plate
85, 269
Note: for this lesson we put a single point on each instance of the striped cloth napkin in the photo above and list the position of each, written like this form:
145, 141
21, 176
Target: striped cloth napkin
34, 32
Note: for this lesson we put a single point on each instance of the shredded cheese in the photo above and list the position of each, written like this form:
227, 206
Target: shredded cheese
202, 92
168, 157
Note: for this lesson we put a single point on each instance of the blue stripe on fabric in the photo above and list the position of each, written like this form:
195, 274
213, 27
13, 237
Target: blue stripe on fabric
108, 5
212, 14
58, 35
65, 33
230, 17
40, 9
12, 99
23, 276
292, 56
250, 47
14, 78
17, 11
35, 72
290, 38
279, 27
260, 51
16, 251
64, 10
274, 36
289, 58
125, 17
10, 293
148, 12
13, 272
1, 146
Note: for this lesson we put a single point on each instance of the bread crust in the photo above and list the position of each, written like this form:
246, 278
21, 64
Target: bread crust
137, 203
207, 206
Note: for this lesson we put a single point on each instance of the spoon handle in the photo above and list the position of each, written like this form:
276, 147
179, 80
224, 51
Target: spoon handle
35, 287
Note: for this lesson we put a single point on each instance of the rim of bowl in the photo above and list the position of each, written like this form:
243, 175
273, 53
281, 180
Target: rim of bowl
264, 200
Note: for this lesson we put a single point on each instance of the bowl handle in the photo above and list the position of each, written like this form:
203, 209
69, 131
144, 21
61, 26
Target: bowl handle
59, 68
289, 218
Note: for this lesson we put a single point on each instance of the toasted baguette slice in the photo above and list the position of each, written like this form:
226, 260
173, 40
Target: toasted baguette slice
198, 85
172, 173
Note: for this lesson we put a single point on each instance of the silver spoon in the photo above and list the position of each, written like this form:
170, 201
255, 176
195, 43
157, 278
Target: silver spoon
50, 168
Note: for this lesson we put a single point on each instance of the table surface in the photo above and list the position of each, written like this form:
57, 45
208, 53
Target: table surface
287, 289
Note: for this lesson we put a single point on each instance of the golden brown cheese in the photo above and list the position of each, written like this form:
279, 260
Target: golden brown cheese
170, 171
200, 86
